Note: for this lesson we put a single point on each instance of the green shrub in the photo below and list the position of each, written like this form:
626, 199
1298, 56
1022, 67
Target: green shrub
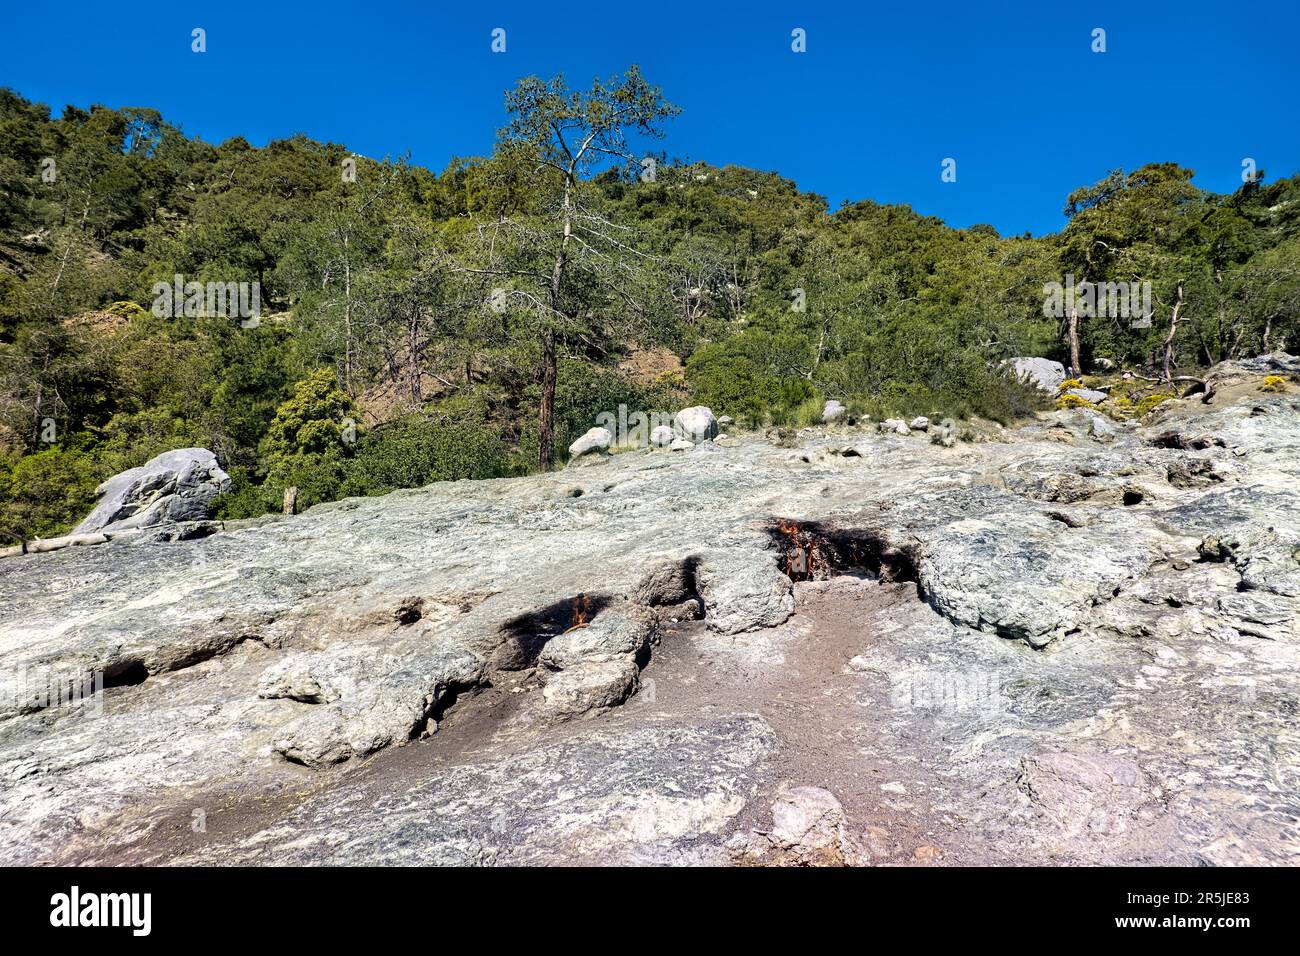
414, 451
47, 493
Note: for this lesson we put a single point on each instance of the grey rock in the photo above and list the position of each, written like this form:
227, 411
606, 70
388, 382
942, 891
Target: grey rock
590, 687
832, 411
1045, 373
743, 592
173, 487
919, 424
1090, 395
696, 423
593, 440
662, 436
1102, 429
894, 426
681, 444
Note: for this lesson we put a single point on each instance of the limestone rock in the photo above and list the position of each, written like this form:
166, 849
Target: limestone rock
175, 486
1045, 373
593, 440
696, 423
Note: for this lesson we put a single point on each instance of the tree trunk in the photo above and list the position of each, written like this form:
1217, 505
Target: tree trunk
1169, 339
1076, 367
546, 416
413, 357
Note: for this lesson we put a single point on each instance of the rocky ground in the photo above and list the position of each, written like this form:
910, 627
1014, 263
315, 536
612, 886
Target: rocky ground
1075, 643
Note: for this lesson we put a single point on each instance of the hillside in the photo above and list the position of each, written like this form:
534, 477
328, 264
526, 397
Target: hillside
414, 326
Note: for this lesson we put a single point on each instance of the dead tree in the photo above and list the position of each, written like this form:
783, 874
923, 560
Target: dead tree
1169, 339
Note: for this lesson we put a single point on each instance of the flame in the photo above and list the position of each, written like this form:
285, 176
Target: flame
579, 612
799, 559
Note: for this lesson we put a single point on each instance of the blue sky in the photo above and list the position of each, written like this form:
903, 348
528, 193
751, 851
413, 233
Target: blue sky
1010, 90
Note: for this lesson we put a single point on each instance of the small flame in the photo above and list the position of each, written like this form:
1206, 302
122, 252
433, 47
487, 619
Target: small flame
799, 559
580, 611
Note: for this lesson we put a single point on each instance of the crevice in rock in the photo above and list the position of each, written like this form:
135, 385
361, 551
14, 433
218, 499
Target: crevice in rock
814, 551
1068, 520
672, 586
127, 672
1183, 442
527, 634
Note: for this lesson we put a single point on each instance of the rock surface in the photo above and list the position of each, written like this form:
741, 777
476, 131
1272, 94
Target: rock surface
1033, 650
175, 486
662, 436
1045, 373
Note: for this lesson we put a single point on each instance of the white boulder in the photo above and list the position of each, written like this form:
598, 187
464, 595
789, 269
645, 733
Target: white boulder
596, 439
1044, 373
696, 423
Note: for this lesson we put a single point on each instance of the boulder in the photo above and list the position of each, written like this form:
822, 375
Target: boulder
696, 423
681, 444
176, 486
662, 436
895, 426
596, 439
1102, 429
1044, 373
725, 420
832, 411
945, 433
1088, 394
590, 687
920, 424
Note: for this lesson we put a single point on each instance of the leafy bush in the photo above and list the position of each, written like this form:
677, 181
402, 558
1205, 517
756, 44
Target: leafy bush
415, 451
47, 493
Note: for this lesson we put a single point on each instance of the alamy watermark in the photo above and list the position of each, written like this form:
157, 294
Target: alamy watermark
197, 300
1102, 300
978, 692
41, 688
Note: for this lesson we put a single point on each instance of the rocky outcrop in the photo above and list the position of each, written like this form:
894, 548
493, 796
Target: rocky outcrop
175, 486
1054, 644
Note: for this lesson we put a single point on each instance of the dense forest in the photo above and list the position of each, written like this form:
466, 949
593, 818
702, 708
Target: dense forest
416, 326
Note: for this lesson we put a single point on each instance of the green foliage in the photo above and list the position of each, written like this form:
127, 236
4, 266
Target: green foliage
308, 444
47, 493
312, 421
377, 296
414, 451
